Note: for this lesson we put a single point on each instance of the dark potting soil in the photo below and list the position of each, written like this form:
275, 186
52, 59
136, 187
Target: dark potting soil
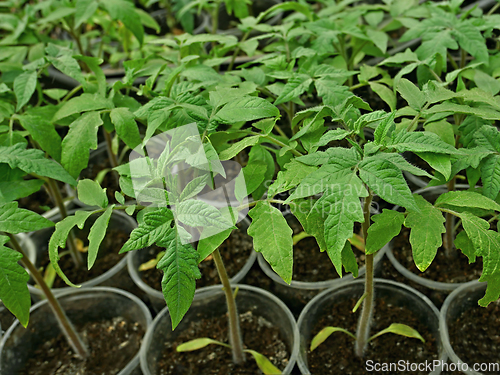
336, 354
442, 269
309, 263
107, 258
258, 334
390, 273
234, 251
111, 344
40, 201
110, 180
475, 335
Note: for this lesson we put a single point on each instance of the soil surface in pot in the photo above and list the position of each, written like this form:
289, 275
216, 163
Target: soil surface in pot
390, 273
111, 345
475, 335
258, 334
235, 251
309, 263
110, 180
336, 354
442, 269
107, 258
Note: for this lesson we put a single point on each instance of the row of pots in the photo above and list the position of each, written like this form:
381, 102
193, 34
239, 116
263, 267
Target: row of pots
87, 305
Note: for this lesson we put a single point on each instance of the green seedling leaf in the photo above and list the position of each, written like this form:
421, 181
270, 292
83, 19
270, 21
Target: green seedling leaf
83, 103
196, 213
34, 161
411, 93
84, 10
322, 335
384, 129
43, 132
237, 147
385, 93
14, 291
125, 126
150, 264
467, 199
248, 108
265, 365
273, 238
344, 209
300, 236
387, 181
22, 188
82, 137
385, 227
91, 193
312, 220
155, 226
399, 329
59, 237
296, 86
96, 235
18, 220
422, 142
332, 135
130, 209
197, 344
427, 227
125, 12
119, 198
180, 271
463, 242
208, 245
24, 87
358, 304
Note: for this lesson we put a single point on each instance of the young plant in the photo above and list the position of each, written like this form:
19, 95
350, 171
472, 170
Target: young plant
13, 287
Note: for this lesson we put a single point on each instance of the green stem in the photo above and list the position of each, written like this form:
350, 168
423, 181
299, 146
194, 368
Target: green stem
492, 10
365, 319
71, 240
452, 61
235, 338
463, 57
109, 146
450, 228
236, 51
70, 94
67, 328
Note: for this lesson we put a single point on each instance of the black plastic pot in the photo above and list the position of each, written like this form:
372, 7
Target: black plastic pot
212, 303
81, 306
117, 276
393, 293
459, 301
154, 295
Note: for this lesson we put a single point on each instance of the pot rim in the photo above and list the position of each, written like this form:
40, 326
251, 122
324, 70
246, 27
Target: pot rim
377, 282
134, 362
99, 279
150, 291
422, 280
216, 289
443, 321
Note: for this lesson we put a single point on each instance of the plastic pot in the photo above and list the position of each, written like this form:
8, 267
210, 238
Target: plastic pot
299, 293
460, 300
155, 296
257, 7
101, 152
393, 293
421, 280
212, 303
116, 276
81, 306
